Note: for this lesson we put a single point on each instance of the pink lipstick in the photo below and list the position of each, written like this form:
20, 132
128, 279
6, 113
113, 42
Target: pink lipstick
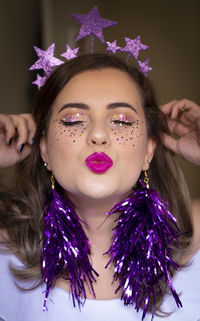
98, 162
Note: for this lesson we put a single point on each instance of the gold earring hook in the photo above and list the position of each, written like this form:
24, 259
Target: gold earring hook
52, 181
146, 179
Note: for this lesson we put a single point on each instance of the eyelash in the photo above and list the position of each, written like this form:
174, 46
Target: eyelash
78, 122
71, 123
124, 123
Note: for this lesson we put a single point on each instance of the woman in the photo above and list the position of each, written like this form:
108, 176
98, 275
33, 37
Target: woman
98, 128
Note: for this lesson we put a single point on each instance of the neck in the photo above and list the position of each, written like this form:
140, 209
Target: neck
99, 228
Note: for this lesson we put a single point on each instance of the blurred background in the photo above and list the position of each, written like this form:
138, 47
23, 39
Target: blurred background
170, 28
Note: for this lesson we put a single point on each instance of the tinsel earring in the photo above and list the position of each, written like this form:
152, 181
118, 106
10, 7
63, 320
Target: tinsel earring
66, 249
141, 251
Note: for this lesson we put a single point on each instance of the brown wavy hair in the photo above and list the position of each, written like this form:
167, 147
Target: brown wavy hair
21, 210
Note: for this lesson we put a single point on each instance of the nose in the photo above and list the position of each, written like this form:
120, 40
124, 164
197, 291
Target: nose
98, 135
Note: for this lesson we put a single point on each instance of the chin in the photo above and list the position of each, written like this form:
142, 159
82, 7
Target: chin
98, 193
102, 190
97, 188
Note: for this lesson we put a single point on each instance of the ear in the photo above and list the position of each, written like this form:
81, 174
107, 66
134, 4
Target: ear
151, 145
44, 151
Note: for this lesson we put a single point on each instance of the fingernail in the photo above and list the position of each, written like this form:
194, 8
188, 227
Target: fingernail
21, 147
31, 142
10, 141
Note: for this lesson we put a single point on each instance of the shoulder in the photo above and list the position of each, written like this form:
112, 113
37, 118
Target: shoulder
14, 299
7, 285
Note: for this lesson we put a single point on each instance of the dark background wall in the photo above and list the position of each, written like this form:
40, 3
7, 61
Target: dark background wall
170, 28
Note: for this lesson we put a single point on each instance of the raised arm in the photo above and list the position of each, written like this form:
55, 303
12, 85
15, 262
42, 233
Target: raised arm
184, 125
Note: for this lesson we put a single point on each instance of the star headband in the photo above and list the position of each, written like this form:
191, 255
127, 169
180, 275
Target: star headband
91, 24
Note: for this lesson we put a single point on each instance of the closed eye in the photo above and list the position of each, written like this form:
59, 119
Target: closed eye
71, 123
123, 123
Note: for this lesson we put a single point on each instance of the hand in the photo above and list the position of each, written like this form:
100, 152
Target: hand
184, 126
16, 137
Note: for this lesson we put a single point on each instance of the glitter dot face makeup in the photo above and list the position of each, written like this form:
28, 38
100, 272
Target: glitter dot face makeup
122, 126
98, 111
75, 124
125, 128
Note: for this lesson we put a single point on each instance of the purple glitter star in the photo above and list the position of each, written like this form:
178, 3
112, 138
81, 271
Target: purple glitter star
133, 46
40, 81
92, 23
46, 59
112, 46
70, 53
144, 68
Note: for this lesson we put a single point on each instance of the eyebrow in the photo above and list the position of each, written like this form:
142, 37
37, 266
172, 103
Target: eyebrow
109, 106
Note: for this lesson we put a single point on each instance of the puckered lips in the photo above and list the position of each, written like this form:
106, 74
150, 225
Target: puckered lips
98, 162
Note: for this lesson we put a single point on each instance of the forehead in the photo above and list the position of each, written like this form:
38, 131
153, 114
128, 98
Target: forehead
100, 86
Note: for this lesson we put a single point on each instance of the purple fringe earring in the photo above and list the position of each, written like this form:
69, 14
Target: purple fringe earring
66, 249
142, 247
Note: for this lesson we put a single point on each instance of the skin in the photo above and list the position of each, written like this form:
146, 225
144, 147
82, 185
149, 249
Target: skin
16, 135
97, 90
94, 194
185, 126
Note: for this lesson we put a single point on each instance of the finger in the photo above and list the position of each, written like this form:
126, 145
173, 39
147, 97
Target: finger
178, 109
167, 108
184, 110
187, 109
8, 126
12, 156
177, 128
170, 143
21, 126
26, 151
31, 127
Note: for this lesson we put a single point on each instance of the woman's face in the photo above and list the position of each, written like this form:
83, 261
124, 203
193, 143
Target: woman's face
97, 143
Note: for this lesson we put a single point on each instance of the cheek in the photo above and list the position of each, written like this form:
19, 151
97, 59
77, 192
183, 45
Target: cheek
69, 134
130, 136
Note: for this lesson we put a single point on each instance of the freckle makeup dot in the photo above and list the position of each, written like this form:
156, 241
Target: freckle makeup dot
74, 141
